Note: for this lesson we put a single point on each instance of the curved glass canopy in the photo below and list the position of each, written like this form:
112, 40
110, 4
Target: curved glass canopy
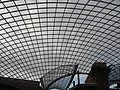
114, 76
37, 36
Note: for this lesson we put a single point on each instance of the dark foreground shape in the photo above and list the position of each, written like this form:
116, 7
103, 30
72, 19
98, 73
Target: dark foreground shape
97, 78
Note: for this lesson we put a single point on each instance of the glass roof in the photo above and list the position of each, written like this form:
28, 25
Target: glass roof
114, 76
59, 77
37, 36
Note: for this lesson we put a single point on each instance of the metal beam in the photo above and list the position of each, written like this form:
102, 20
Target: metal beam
74, 72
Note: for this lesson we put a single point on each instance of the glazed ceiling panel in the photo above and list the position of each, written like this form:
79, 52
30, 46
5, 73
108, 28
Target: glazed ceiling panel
37, 36
115, 73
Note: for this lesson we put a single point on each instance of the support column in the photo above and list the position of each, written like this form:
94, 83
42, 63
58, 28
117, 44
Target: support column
99, 75
78, 77
118, 86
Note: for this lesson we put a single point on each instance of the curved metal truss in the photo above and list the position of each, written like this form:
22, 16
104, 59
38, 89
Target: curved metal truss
57, 77
37, 36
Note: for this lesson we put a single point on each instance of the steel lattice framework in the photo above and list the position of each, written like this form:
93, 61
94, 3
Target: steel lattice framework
37, 36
